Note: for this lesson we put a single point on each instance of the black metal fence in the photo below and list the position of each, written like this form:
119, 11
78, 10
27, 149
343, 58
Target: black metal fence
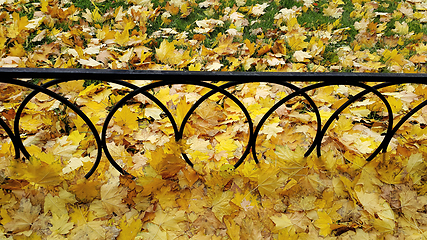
163, 78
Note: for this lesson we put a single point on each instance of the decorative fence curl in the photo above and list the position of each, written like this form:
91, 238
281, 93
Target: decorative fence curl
14, 76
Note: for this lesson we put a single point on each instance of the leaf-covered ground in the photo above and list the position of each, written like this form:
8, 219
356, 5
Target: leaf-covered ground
286, 196
336, 196
244, 35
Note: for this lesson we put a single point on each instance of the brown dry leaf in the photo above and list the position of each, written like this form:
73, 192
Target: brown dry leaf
86, 190
166, 165
418, 58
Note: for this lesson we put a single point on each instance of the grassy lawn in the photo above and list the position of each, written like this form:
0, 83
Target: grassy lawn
215, 35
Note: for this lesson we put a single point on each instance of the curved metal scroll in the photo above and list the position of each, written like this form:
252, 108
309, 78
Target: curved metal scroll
191, 79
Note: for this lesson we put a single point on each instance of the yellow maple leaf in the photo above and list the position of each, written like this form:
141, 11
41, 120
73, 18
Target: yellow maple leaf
249, 170
76, 137
86, 190
226, 170
90, 90
342, 125
410, 204
181, 110
290, 161
79, 215
281, 222
90, 230
5, 198
71, 88
111, 200
195, 67
401, 28
17, 50
251, 46
198, 200
129, 228
375, 204
233, 230
37, 172
416, 167
122, 37
221, 204
271, 130
154, 233
55, 205
86, 228
228, 145
44, 4
19, 24
395, 103
150, 184
264, 49
391, 171
126, 118
296, 42
289, 184
31, 123
90, 62
60, 224
166, 53
96, 17
384, 226
24, 217
245, 200
5, 217
301, 56
305, 203
324, 223
74, 163
169, 220
190, 175
333, 11
166, 197
269, 181
393, 57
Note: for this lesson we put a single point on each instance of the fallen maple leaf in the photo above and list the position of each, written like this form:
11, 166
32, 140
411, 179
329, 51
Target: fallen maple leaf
333, 11
38, 172
24, 217
111, 200
281, 222
221, 204
324, 223
61, 224
129, 228
90, 63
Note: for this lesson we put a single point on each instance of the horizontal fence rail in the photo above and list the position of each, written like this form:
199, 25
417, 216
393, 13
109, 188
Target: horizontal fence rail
369, 82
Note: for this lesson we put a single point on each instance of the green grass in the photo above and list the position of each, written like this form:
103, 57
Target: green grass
314, 19
109, 5
28, 10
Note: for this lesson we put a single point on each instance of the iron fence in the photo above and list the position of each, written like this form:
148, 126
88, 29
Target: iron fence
15, 76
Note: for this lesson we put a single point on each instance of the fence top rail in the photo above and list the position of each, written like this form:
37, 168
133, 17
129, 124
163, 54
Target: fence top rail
103, 74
